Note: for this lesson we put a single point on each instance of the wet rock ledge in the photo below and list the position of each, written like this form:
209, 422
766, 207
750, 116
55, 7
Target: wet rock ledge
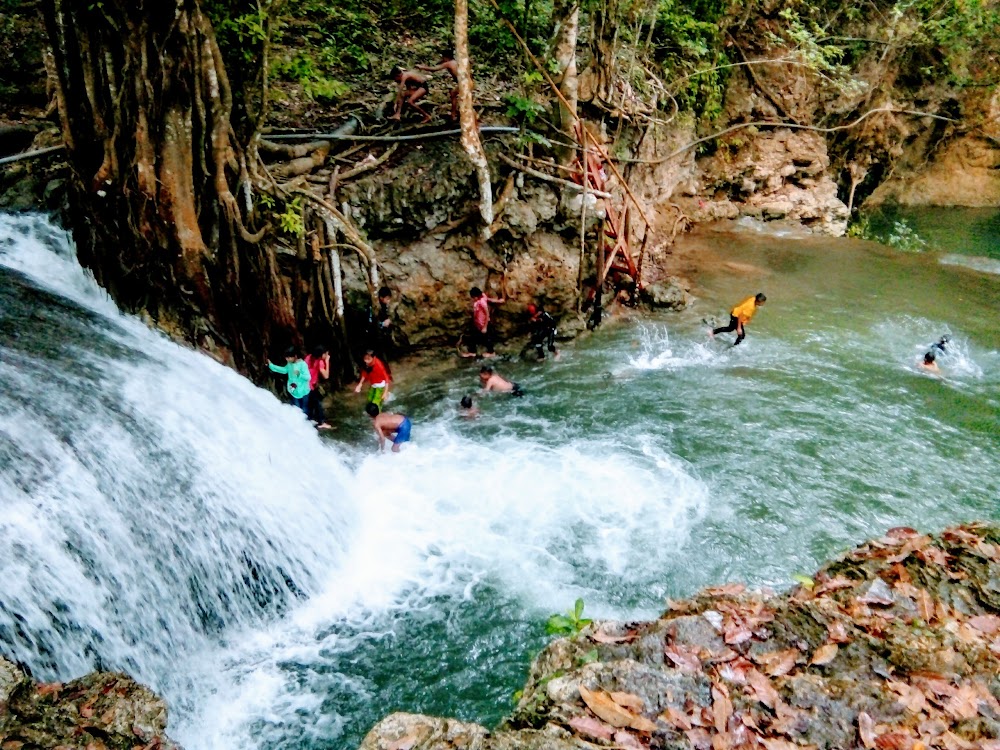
894, 646
102, 711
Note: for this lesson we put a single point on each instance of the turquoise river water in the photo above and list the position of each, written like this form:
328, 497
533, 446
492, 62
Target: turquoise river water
286, 590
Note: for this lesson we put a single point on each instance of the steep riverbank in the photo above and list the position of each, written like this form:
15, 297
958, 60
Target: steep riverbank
896, 644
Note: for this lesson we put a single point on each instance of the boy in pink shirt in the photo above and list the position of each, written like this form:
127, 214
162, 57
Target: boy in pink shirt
482, 334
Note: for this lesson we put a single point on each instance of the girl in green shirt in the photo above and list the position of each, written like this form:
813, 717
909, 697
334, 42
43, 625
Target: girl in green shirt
298, 378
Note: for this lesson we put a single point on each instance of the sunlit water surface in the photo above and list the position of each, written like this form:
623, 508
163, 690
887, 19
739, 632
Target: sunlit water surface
282, 590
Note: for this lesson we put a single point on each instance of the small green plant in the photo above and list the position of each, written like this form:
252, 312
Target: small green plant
904, 237
523, 108
860, 228
570, 623
526, 137
291, 219
532, 76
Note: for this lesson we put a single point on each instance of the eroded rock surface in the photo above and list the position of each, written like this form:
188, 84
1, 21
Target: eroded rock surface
101, 711
894, 646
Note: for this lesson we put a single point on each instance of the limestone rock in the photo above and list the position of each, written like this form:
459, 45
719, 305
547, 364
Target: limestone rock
102, 709
667, 294
402, 731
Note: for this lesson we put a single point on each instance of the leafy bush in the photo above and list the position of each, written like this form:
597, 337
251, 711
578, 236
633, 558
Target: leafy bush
904, 237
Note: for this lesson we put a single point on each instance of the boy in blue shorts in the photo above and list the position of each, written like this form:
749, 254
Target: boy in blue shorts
393, 426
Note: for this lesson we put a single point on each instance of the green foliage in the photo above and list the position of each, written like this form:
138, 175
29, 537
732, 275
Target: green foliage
904, 237
688, 41
860, 227
570, 623
527, 137
290, 220
523, 109
302, 69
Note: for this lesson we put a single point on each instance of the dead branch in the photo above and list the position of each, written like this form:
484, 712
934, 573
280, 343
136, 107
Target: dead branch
549, 178
286, 152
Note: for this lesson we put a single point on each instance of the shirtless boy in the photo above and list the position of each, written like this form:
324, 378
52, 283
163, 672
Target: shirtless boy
411, 88
395, 427
447, 63
493, 382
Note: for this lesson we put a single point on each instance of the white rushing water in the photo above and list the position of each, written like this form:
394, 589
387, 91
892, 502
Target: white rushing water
160, 514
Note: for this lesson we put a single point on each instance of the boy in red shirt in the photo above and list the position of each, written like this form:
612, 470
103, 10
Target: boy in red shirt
374, 372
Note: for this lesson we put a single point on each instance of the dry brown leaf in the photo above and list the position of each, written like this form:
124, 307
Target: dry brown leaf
736, 631
404, 743
952, 741
628, 700
675, 717
964, 704
763, 690
910, 697
986, 624
893, 741
778, 663
86, 710
825, 654
591, 727
936, 555
832, 584
601, 637
866, 730
722, 708
685, 659
721, 742
932, 728
726, 589
49, 688
789, 719
773, 743
837, 632
605, 708
699, 738
627, 739
987, 745
735, 670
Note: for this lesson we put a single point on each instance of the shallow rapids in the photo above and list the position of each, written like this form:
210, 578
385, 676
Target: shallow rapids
285, 590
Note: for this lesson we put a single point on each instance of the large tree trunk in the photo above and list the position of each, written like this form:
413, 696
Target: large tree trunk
467, 115
146, 112
565, 30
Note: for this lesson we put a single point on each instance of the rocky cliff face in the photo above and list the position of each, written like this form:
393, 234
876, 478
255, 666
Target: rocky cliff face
896, 645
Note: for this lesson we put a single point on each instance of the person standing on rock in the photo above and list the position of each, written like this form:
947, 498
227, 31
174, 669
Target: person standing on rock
740, 315
298, 377
482, 333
